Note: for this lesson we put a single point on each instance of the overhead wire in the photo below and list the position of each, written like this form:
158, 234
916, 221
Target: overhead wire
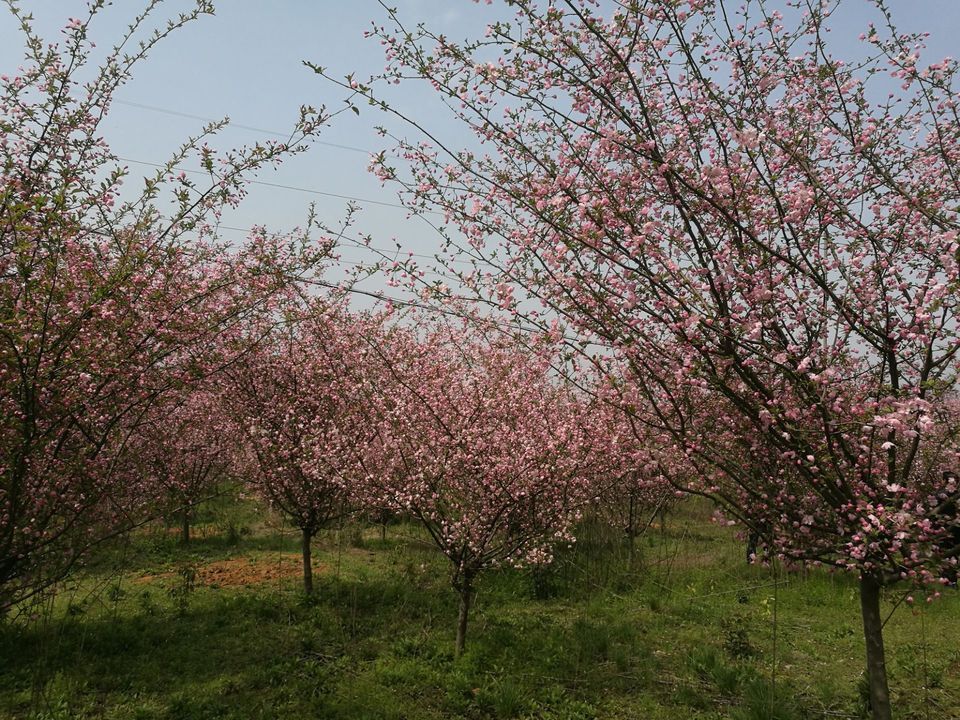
356, 242
361, 244
276, 133
312, 191
240, 126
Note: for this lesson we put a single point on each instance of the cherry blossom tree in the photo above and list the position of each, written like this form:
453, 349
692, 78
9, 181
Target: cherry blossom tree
110, 299
764, 232
632, 489
295, 401
632, 504
479, 444
185, 448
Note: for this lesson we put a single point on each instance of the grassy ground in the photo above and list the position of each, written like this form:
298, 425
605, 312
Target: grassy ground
154, 630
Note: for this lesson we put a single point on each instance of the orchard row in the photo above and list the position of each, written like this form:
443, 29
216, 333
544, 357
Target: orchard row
706, 255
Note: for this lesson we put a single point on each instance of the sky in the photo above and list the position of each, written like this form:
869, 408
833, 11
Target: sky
246, 62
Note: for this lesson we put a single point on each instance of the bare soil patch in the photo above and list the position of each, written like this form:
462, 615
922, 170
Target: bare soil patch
241, 571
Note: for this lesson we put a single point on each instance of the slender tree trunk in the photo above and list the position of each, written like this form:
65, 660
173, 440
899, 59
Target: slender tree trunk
466, 591
185, 526
632, 529
753, 540
873, 635
307, 563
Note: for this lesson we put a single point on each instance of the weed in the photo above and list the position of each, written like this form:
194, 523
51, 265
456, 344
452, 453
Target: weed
182, 591
710, 666
762, 701
75, 609
736, 638
116, 593
148, 606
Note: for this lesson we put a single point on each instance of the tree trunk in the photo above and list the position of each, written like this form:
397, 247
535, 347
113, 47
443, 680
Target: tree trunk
873, 635
307, 564
383, 532
185, 526
466, 590
753, 542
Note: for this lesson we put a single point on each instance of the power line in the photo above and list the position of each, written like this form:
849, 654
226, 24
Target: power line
251, 128
311, 191
360, 244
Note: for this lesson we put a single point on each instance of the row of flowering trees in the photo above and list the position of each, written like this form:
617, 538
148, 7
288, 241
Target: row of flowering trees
331, 412
143, 361
472, 437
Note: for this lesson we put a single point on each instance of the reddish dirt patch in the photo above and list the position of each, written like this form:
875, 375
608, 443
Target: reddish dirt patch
239, 572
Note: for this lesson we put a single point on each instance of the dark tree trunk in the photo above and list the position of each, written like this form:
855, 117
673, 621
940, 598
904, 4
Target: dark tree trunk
185, 526
753, 542
466, 592
307, 563
632, 529
383, 532
873, 635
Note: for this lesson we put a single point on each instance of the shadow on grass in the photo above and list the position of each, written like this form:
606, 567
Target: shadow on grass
215, 643
379, 648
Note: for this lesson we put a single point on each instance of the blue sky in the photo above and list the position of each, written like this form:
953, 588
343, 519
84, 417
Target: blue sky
246, 62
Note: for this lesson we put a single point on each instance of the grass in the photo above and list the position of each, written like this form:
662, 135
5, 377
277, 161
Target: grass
684, 629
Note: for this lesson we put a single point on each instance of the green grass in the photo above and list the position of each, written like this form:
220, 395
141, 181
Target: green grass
683, 629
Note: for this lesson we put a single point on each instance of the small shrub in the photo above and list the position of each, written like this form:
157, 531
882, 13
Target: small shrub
863, 694
59, 709
184, 588
554, 704
461, 689
736, 639
232, 534
55, 700
592, 641
544, 582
